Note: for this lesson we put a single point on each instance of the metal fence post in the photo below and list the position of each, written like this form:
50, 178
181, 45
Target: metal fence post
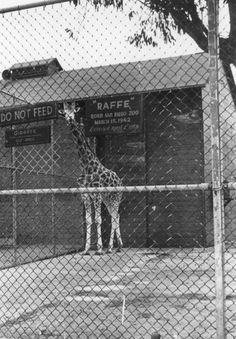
218, 217
14, 204
52, 185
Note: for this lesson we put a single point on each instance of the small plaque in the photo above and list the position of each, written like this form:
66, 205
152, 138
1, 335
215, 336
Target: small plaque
28, 136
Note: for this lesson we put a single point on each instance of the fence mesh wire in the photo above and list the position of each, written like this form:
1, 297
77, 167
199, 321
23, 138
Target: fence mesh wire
81, 107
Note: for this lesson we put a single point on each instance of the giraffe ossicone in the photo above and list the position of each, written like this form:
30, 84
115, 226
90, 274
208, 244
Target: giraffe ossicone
94, 174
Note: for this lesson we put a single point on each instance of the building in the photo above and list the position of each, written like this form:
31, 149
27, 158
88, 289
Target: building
152, 126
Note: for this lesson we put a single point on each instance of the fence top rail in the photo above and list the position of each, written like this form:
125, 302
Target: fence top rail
153, 188
31, 5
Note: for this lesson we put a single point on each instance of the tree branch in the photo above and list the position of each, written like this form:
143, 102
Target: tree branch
232, 17
192, 25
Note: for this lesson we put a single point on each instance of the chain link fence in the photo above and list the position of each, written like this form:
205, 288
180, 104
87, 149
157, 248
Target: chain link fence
117, 167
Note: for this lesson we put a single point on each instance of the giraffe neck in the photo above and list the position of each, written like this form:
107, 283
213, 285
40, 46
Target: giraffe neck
88, 158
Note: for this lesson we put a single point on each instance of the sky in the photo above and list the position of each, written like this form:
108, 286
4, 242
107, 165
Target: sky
100, 37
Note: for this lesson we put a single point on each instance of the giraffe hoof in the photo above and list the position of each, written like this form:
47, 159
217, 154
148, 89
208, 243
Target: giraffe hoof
85, 253
98, 253
109, 251
118, 250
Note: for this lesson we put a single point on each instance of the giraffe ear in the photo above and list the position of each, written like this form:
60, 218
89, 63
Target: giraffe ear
61, 113
72, 106
60, 110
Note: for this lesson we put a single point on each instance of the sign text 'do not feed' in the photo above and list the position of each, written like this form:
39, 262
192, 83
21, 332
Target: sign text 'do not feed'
27, 113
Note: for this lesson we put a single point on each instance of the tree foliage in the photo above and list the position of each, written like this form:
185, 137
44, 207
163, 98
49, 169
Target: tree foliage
184, 16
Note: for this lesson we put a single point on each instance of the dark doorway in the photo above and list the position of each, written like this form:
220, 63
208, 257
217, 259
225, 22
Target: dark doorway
174, 138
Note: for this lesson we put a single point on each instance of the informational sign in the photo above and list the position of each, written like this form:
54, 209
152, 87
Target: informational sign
27, 113
28, 136
121, 115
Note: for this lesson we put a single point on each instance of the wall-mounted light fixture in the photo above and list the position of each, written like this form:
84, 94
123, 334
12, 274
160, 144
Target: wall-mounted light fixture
192, 117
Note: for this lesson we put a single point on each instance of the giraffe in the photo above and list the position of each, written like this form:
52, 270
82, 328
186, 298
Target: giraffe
94, 174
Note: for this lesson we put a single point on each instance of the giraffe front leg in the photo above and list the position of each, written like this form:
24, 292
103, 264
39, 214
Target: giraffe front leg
115, 229
118, 235
98, 221
88, 223
111, 240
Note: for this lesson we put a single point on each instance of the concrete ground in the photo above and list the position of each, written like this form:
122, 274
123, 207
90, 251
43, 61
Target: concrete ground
21, 254
122, 295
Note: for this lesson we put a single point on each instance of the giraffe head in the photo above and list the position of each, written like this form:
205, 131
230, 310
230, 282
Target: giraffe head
71, 112
67, 111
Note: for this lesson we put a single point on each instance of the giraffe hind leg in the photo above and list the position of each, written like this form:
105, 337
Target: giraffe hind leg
88, 223
98, 221
118, 235
115, 229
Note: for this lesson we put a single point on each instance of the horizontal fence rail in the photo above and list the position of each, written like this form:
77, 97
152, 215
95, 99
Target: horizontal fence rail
31, 5
153, 188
